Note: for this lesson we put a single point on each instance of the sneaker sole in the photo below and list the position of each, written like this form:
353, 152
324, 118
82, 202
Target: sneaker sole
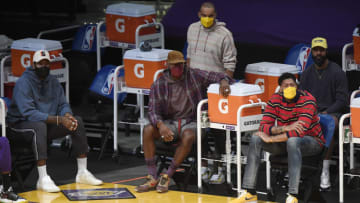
160, 191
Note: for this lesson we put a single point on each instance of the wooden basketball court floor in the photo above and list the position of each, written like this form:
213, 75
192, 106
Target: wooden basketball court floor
147, 197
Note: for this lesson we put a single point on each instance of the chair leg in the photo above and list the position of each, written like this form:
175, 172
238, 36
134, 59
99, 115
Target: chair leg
18, 177
104, 143
162, 160
187, 176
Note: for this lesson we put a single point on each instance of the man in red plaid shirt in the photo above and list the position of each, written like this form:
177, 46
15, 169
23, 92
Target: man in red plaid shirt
172, 113
297, 133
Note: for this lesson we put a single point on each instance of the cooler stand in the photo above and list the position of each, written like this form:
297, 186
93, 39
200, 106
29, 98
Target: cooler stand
228, 159
120, 87
348, 64
346, 136
155, 40
2, 117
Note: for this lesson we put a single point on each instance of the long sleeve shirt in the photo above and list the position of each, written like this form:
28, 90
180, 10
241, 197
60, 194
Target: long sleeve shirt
195, 82
35, 99
302, 108
211, 49
329, 87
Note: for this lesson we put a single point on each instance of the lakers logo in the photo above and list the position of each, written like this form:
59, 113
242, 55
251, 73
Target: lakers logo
98, 194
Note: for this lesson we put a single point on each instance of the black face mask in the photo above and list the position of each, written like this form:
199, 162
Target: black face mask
42, 71
319, 60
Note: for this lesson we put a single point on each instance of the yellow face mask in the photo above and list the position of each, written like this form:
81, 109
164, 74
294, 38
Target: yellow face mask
207, 21
290, 92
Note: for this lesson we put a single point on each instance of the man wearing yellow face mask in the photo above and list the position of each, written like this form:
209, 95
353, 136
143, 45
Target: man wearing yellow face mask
297, 134
210, 44
211, 47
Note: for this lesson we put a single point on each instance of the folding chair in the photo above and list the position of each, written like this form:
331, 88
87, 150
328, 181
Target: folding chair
311, 165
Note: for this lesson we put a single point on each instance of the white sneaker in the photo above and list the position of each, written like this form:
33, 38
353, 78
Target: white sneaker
85, 177
47, 185
325, 181
205, 174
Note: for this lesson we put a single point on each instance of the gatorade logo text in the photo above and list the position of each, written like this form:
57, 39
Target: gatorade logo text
223, 106
25, 60
139, 70
119, 25
253, 122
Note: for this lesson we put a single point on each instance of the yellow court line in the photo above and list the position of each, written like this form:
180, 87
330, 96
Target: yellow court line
147, 197
138, 178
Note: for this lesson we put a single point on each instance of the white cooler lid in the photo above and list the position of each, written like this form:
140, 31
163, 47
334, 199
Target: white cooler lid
269, 68
237, 89
153, 55
128, 9
34, 44
355, 102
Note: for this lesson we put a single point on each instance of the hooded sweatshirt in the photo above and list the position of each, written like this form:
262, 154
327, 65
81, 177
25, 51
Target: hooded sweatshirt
211, 49
35, 99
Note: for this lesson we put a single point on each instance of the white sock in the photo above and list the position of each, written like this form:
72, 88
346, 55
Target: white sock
42, 171
82, 164
326, 166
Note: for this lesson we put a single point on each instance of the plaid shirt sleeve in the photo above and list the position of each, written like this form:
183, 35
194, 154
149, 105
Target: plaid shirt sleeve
155, 104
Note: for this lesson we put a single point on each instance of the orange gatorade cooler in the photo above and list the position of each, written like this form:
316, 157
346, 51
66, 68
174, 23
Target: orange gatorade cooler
266, 75
23, 50
356, 40
355, 116
141, 66
122, 19
224, 110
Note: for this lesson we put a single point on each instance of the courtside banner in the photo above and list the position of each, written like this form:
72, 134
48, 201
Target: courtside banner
98, 194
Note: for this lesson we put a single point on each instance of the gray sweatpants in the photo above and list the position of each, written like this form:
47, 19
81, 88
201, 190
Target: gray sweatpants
44, 133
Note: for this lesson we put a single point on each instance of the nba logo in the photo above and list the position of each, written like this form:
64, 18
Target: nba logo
108, 84
89, 37
303, 58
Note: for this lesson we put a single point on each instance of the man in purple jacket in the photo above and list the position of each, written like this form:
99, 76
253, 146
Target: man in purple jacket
172, 113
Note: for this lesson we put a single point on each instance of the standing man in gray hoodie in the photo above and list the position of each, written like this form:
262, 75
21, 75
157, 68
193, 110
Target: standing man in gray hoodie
210, 44
211, 47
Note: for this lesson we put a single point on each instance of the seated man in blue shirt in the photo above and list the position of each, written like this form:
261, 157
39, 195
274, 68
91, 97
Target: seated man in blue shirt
39, 105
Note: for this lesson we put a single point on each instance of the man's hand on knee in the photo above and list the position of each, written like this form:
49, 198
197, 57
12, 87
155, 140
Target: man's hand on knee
165, 132
69, 123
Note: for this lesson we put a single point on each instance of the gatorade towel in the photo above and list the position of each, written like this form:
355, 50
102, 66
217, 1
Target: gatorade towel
103, 84
300, 56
